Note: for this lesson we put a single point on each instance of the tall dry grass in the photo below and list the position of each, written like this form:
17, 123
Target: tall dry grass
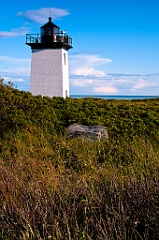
58, 188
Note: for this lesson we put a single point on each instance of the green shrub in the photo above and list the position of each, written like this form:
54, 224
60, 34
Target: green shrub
52, 187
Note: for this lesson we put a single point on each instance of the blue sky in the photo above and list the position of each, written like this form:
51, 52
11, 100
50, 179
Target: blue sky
115, 43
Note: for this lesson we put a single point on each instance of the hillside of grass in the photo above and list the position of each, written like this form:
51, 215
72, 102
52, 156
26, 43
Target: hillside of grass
53, 187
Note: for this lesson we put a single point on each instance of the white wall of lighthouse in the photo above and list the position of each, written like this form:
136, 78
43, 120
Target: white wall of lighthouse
49, 72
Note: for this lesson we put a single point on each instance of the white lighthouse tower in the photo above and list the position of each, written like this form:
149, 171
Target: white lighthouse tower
49, 63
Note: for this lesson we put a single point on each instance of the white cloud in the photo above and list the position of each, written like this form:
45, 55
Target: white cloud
87, 65
82, 82
16, 32
16, 80
13, 60
14, 66
88, 71
141, 84
87, 77
18, 70
105, 90
40, 15
85, 70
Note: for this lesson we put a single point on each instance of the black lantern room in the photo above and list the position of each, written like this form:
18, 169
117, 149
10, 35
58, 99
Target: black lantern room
50, 37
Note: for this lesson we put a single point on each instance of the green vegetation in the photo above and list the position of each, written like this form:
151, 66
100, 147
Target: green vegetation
56, 188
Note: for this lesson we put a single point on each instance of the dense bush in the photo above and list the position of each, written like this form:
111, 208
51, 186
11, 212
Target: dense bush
52, 187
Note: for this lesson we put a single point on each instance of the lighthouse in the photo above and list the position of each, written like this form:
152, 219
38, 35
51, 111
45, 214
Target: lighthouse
49, 63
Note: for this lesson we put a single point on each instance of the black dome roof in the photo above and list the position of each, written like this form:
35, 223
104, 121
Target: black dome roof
49, 24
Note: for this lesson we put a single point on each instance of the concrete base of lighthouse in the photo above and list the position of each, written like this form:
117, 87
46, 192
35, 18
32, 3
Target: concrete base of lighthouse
49, 73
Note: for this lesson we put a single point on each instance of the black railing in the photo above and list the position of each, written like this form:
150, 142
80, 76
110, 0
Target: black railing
37, 38
33, 38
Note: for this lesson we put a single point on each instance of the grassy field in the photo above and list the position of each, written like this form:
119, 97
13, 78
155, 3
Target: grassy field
56, 188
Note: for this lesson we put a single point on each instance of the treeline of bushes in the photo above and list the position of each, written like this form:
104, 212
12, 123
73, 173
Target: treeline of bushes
52, 187
19, 109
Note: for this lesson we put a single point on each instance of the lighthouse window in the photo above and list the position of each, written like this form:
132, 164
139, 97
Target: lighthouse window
55, 30
64, 58
49, 31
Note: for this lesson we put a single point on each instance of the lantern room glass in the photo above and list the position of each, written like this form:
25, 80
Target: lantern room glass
47, 31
